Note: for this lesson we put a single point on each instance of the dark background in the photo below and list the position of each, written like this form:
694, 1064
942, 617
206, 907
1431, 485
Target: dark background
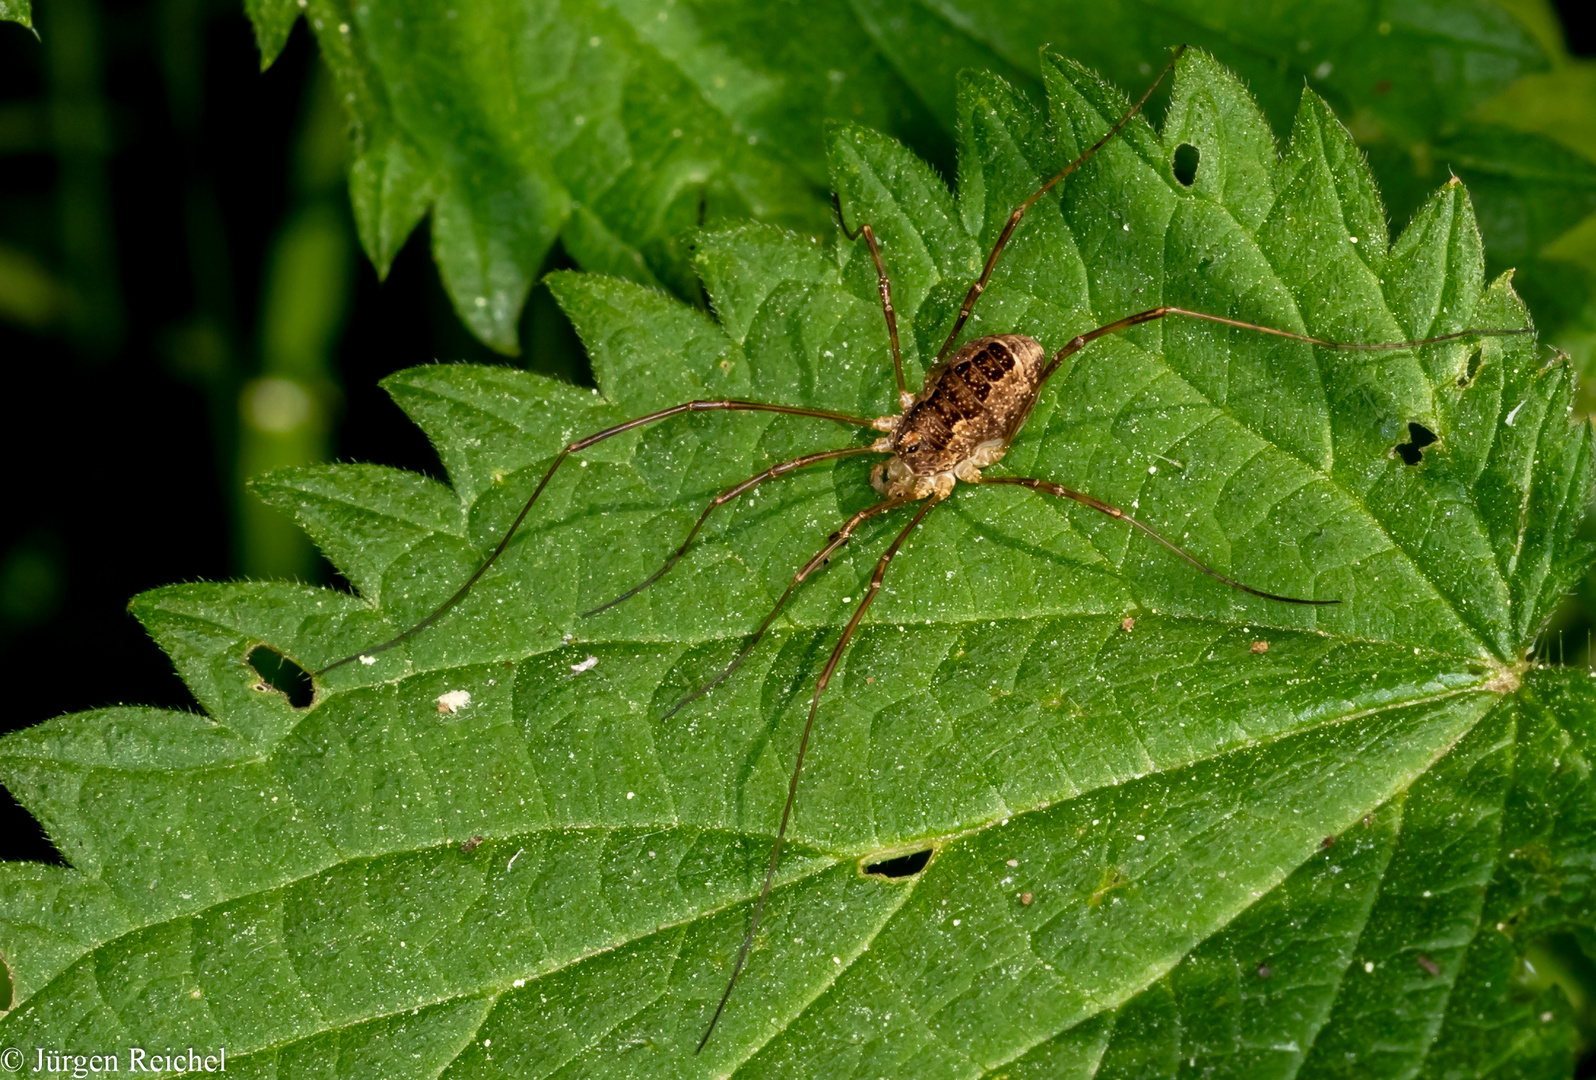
151, 179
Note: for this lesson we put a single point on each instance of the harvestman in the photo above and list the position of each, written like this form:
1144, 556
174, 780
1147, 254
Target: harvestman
968, 411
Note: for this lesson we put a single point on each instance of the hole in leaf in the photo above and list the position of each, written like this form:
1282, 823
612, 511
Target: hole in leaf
281, 674
1185, 164
900, 866
1412, 451
1475, 357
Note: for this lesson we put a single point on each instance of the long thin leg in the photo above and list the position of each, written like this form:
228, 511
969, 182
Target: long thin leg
1047, 487
803, 748
1151, 314
571, 448
1019, 211
1080, 342
884, 285
722, 499
836, 540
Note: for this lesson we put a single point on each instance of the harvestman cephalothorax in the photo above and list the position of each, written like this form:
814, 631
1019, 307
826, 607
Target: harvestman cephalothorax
969, 409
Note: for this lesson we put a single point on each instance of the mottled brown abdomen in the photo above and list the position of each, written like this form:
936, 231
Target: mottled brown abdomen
978, 398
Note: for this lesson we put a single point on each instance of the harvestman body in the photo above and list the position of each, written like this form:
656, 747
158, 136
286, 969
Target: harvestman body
967, 413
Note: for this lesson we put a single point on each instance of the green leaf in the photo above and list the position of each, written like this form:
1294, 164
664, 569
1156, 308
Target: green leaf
613, 127
17, 11
545, 135
1175, 828
272, 20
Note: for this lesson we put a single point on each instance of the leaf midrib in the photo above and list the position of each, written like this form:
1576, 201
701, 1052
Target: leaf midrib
1131, 992
824, 860
1474, 933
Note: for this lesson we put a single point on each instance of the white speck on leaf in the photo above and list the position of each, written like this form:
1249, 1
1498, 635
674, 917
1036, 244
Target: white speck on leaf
585, 665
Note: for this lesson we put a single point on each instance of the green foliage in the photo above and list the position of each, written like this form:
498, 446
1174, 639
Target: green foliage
614, 126
19, 11
1159, 850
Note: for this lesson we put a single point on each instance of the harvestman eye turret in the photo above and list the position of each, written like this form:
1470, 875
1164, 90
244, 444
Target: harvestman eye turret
968, 411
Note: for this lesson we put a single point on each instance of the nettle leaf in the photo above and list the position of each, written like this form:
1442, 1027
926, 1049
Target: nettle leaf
610, 126
1175, 828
